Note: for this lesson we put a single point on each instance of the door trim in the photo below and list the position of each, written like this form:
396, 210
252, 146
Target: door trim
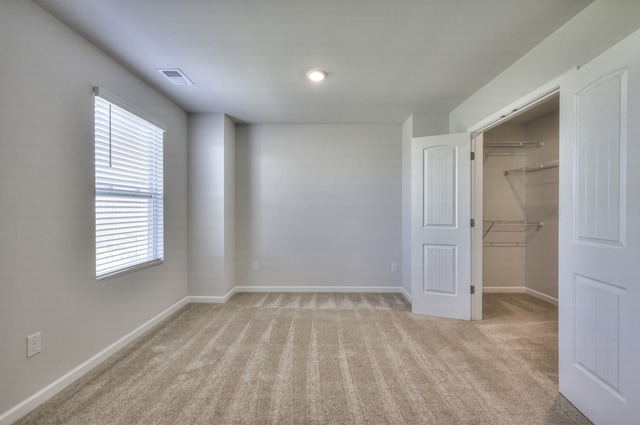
524, 104
476, 232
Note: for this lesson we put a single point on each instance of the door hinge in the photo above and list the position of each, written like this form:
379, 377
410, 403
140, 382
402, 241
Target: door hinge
473, 156
473, 289
473, 223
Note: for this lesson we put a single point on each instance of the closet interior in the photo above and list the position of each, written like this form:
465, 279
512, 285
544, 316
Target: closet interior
520, 203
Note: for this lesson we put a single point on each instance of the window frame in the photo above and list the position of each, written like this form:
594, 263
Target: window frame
127, 184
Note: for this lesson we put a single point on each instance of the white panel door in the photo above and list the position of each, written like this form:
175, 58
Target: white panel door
440, 221
599, 246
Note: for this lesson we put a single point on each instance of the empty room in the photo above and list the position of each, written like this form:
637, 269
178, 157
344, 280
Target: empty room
298, 212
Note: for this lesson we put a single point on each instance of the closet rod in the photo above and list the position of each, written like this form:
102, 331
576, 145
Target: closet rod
545, 166
491, 223
528, 223
512, 145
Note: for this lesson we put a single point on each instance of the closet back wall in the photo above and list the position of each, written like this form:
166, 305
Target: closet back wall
542, 204
318, 205
503, 199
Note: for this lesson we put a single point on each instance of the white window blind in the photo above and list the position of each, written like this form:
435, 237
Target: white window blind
129, 191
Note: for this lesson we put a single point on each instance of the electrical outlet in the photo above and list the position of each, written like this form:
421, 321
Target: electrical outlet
34, 344
394, 267
255, 266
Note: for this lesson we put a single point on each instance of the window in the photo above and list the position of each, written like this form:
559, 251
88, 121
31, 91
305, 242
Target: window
129, 189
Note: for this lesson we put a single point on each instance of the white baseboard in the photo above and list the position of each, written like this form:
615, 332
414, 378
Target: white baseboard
406, 294
504, 289
541, 296
363, 289
371, 289
237, 289
26, 406
519, 290
202, 299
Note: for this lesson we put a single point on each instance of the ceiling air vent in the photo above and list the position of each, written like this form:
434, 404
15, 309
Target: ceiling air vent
176, 77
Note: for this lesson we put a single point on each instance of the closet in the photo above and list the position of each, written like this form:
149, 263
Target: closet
520, 203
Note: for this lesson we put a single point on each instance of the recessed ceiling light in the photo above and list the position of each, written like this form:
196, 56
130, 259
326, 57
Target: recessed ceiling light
316, 75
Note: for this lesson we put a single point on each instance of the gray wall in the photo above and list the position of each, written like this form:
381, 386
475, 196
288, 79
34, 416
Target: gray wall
211, 204
47, 237
504, 198
407, 134
541, 262
592, 31
318, 205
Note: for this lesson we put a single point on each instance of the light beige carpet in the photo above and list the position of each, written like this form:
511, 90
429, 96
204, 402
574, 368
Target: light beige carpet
327, 359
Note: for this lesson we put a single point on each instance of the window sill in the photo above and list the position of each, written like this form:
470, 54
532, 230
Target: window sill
128, 270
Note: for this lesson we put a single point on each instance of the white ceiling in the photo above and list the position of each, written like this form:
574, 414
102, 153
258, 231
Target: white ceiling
385, 58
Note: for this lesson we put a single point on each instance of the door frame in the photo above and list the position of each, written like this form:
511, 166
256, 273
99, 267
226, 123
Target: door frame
477, 170
514, 109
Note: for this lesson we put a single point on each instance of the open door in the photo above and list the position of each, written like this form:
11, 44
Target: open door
599, 240
440, 225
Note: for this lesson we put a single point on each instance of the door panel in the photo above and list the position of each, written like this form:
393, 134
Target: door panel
600, 154
439, 269
599, 243
439, 200
597, 332
441, 211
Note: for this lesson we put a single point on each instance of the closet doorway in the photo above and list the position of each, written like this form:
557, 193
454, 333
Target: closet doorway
520, 203
520, 175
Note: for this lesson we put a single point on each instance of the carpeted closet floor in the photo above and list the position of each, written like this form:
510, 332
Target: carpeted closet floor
328, 359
